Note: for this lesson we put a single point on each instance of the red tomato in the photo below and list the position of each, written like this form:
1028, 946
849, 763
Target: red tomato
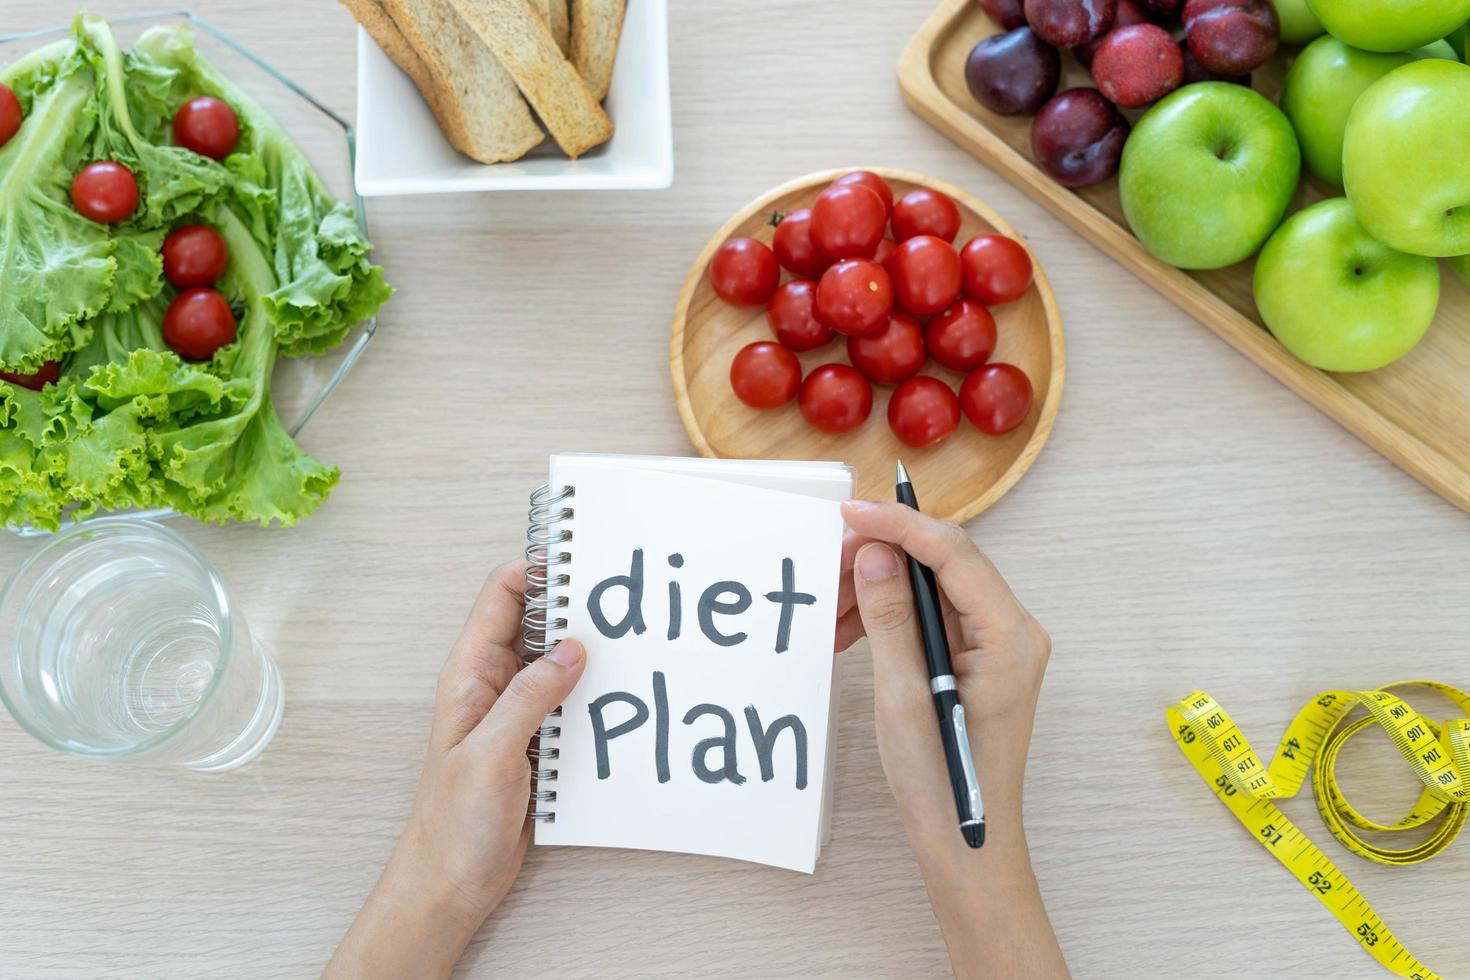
792, 315
765, 375
996, 398
835, 398
925, 212
962, 337
855, 296
997, 269
105, 192
892, 352
197, 323
923, 411
848, 221
885, 249
10, 114
207, 126
925, 273
872, 182
194, 255
794, 246
744, 272
44, 375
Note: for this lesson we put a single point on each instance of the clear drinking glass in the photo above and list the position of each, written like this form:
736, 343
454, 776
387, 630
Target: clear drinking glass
119, 641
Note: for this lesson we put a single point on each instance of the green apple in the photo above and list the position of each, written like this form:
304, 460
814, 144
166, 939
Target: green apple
1404, 158
1338, 299
1456, 38
1207, 174
1321, 87
1298, 24
1461, 265
1390, 25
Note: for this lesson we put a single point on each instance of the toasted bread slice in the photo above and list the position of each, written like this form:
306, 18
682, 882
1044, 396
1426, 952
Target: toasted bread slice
596, 27
522, 41
560, 19
481, 110
375, 20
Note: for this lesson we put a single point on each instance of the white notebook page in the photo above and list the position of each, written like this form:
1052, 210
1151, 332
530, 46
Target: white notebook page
707, 707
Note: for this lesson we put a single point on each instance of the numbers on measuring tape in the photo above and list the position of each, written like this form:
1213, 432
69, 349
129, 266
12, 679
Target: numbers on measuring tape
1327, 700
1414, 732
1270, 834
1369, 937
1398, 711
1231, 743
1186, 734
1289, 747
1226, 788
1319, 881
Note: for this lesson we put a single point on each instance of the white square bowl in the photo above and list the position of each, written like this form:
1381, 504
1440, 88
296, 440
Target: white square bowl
400, 149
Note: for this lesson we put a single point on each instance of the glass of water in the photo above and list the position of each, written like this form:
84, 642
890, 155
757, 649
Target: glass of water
119, 641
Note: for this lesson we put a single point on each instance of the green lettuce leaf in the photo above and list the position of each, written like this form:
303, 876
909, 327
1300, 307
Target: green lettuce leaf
317, 250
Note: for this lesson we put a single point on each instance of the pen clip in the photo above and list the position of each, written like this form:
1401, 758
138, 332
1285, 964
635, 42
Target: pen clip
967, 762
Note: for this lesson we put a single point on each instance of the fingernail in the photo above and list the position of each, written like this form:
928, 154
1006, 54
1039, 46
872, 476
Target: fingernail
568, 653
860, 506
877, 562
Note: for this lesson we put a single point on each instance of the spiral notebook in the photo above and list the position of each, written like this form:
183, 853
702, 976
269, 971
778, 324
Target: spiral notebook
705, 592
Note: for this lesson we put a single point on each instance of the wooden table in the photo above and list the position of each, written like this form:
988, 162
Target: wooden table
1191, 524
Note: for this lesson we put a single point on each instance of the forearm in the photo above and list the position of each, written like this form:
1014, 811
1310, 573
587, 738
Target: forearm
410, 925
986, 899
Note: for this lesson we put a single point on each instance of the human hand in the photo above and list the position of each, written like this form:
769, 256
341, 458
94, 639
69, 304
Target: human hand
468, 832
999, 653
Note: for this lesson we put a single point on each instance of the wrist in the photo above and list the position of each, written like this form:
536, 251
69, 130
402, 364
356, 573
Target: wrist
415, 874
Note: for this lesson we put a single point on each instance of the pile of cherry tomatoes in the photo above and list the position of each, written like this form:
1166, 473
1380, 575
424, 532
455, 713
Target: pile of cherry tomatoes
898, 302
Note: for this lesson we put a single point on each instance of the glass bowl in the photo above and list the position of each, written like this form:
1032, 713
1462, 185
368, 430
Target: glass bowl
299, 385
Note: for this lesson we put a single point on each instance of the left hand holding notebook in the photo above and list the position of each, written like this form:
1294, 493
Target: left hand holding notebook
464, 842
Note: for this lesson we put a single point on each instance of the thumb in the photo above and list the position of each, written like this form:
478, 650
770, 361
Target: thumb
886, 603
530, 696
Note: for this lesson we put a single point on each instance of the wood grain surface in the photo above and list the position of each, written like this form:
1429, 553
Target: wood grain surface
963, 474
1191, 524
1415, 411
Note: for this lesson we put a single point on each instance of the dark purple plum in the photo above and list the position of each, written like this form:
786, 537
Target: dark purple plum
1009, 14
1078, 137
1068, 23
1137, 64
1195, 70
1232, 37
1130, 12
1013, 73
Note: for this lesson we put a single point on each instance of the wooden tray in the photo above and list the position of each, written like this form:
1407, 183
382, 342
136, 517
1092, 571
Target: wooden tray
956, 479
1416, 411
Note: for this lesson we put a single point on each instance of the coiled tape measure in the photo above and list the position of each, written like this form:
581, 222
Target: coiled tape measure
1439, 754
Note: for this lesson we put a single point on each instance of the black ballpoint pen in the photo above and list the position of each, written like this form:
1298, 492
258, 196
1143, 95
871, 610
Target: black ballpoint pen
957, 755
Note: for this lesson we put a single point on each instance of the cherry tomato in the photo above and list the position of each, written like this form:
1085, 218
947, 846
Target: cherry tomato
207, 126
996, 398
197, 323
835, 398
794, 246
923, 411
855, 296
962, 337
885, 249
10, 114
892, 352
925, 273
848, 221
925, 212
765, 375
44, 375
997, 269
872, 182
792, 315
744, 272
105, 191
195, 255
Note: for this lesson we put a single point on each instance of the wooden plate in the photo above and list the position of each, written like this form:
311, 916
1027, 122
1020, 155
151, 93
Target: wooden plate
956, 479
1416, 411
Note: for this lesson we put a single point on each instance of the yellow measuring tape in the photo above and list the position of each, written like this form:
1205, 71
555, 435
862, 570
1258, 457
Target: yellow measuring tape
1439, 754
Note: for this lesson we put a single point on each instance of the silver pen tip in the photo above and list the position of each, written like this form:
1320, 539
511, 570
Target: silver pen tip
903, 474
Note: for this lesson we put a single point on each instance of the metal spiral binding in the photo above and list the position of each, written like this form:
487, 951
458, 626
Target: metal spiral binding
541, 622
